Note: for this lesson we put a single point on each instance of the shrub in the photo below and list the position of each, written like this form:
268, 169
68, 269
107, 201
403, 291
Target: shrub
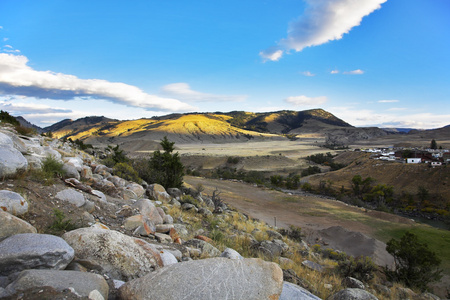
415, 264
361, 268
24, 130
126, 171
52, 167
311, 171
307, 187
61, 223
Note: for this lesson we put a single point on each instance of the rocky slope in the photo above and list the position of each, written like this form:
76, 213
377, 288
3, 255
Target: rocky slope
94, 235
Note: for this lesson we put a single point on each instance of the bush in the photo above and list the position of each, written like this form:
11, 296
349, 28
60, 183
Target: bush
361, 268
127, 172
52, 167
25, 130
61, 223
415, 264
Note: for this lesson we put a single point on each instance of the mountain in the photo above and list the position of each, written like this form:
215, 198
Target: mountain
67, 126
235, 126
25, 123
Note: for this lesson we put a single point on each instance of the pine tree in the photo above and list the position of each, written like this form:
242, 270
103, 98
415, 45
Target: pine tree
166, 167
415, 264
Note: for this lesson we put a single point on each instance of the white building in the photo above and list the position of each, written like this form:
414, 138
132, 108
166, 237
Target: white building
413, 160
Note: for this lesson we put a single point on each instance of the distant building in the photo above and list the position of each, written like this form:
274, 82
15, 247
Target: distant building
414, 160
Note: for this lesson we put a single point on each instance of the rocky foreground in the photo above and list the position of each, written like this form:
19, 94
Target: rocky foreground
132, 241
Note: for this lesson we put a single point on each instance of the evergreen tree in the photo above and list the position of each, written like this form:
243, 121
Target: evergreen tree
433, 144
166, 167
415, 264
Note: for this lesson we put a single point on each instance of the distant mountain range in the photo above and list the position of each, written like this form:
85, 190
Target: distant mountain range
233, 126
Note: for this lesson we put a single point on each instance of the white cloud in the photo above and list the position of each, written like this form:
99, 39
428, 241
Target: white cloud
1, 27
8, 46
323, 21
334, 72
366, 118
308, 73
388, 101
305, 100
17, 78
272, 53
397, 109
21, 108
5, 39
354, 72
184, 92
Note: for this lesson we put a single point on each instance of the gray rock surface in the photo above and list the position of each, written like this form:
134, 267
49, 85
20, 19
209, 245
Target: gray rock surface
351, 282
205, 247
148, 209
292, 291
33, 251
313, 265
215, 279
352, 294
70, 171
11, 160
83, 283
11, 225
120, 256
72, 196
13, 203
231, 254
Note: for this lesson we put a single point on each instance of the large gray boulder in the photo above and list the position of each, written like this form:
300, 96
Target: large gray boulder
33, 251
215, 279
82, 283
13, 203
70, 171
149, 210
352, 294
158, 192
11, 160
72, 196
120, 256
292, 291
11, 225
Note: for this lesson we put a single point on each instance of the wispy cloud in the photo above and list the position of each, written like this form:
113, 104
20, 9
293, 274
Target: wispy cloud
388, 101
272, 53
305, 100
322, 21
334, 72
27, 108
17, 78
308, 74
366, 117
184, 92
354, 72
397, 109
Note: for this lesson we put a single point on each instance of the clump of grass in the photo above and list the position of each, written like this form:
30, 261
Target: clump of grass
60, 223
52, 167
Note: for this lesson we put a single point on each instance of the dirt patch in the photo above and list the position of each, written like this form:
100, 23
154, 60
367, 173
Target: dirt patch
315, 215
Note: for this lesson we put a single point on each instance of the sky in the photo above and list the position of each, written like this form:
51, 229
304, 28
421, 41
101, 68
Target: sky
383, 63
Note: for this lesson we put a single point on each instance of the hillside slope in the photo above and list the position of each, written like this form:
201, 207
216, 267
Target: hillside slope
236, 126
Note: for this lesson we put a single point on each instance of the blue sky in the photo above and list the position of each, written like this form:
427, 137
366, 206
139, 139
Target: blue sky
379, 63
